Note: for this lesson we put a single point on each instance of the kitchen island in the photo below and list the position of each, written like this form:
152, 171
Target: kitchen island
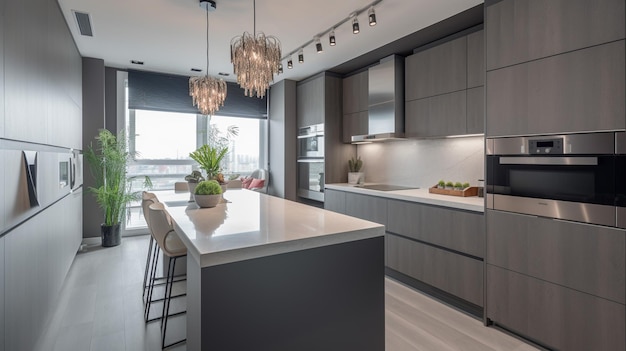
271, 274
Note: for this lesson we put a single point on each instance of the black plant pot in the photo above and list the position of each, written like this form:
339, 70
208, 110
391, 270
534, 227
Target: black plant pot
110, 235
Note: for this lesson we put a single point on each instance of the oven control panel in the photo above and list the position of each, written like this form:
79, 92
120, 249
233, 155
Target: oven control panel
545, 146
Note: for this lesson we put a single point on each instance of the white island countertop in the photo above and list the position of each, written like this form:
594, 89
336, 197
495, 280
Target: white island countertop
253, 225
472, 203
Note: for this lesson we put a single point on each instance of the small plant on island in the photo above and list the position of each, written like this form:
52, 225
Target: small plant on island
458, 186
355, 164
441, 184
449, 185
208, 187
466, 185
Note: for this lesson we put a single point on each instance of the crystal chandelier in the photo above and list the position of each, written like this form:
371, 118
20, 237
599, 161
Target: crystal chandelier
208, 93
255, 58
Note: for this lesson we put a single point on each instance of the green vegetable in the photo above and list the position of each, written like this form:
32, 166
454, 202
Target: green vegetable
208, 187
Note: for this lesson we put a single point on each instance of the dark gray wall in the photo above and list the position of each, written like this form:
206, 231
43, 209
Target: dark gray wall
93, 121
40, 110
282, 139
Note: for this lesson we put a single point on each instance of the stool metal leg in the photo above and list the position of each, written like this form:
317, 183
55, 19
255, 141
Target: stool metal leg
152, 281
166, 304
145, 274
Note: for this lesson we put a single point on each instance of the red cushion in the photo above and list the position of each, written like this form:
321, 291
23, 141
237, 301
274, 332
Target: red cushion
245, 182
257, 183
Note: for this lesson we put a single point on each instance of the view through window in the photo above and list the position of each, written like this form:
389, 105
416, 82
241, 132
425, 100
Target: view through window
161, 142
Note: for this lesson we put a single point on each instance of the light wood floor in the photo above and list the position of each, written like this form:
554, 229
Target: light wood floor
101, 308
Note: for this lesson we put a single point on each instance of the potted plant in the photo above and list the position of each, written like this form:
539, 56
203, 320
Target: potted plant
192, 180
466, 185
354, 174
209, 158
208, 193
441, 184
449, 186
107, 163
458, 186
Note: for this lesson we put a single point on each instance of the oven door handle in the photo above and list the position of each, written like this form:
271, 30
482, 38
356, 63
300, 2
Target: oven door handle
550, 161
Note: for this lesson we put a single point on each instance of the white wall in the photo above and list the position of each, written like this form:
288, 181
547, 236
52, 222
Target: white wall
423, 163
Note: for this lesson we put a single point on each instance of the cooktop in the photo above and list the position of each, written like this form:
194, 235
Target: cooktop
387, 187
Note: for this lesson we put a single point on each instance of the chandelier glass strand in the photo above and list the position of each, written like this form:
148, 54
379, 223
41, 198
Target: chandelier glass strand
208, 93
255, 58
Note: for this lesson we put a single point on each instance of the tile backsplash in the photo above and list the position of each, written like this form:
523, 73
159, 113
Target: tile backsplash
423, 163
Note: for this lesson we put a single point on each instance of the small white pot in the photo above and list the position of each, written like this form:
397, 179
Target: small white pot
207, 200
356, 177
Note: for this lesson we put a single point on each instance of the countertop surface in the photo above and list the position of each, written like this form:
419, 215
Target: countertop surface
472, 203
252, 225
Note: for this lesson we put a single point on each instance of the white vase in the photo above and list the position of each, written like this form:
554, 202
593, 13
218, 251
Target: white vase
356, 177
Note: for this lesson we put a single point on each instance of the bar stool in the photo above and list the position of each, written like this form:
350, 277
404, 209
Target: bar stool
170, 244
148, 199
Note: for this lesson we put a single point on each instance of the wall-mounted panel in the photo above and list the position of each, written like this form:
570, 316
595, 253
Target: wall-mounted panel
26, 84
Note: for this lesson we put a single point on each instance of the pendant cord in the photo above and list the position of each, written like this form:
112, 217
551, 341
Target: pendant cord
207, 41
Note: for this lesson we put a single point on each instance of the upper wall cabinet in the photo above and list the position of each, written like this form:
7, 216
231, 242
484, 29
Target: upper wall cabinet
523, 30
437, 70
2, 11
355, 94
310, 102
476, 59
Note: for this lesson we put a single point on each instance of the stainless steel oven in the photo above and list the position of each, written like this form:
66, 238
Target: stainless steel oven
311, 141
573, 177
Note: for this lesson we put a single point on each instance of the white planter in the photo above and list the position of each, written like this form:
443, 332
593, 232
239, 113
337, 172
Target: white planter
208, 200
356, 177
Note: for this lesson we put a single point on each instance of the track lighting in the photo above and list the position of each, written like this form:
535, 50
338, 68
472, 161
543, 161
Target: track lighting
318, 45
280, 68
355, 25
372, 16
290, 63
331, 38
300, 56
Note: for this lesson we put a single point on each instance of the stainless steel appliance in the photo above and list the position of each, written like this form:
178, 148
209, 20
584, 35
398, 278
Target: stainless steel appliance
571, 177
311, 162
311, 142
385, 101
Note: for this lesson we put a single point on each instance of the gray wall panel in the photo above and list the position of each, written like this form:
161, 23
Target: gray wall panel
282, 140
2, 30
3, 208
2, 301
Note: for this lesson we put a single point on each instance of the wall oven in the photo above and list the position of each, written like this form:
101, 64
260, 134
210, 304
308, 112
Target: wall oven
574, 177
311, 142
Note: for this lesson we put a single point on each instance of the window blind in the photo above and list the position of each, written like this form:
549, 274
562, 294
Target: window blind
167, 92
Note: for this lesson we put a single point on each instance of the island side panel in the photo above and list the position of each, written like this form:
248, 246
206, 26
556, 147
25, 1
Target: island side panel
194, 304
327, 298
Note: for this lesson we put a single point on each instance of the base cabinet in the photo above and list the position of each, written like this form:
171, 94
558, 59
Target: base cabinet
335, 201
456, 274
552, 315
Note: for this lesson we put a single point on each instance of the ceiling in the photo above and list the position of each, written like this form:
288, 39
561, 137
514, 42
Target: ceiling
170, 35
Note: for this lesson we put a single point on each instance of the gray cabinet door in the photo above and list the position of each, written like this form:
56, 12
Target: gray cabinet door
558, 317
583, 257
437, 70
354, 124
456, 274
370, 208
457, 230
476, 59
2, 300
574, 92
441, 115
524, 30
335, 200
355, 93
310, 102
476, 110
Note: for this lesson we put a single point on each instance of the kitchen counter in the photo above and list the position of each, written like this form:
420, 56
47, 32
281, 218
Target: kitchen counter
280, 275
421, 195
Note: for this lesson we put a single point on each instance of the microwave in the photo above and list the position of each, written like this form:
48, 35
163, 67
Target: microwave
573, 177
311, 142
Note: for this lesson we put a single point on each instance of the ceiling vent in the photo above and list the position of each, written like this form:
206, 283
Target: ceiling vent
84, 23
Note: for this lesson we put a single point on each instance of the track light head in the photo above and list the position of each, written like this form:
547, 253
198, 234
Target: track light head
318, 45
355, 25
290, 63
331, 38
301, 56
372, 16
280, 68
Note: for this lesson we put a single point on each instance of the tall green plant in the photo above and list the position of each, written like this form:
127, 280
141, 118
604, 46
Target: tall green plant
209, 158
107, 163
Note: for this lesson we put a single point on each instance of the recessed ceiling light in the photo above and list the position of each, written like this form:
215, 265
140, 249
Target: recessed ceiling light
224, 74
196, 70
136, 62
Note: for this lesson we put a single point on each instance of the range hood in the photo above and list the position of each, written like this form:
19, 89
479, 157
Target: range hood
385, 101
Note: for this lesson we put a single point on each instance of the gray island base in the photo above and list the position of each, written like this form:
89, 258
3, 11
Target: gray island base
293, 277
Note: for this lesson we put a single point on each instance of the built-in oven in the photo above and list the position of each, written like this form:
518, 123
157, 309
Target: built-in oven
311, 141
573, 177
311, 179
